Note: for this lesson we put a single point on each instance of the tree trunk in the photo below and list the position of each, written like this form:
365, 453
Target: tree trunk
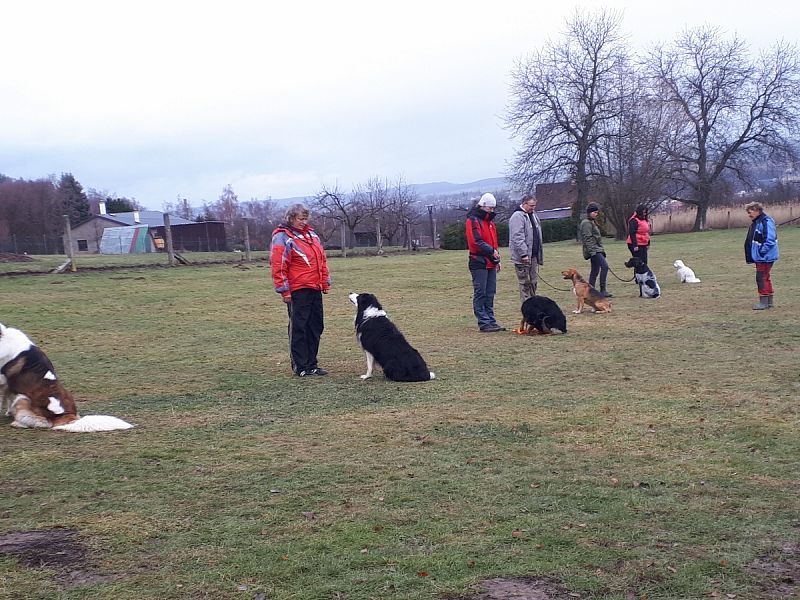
700, 217
378, 238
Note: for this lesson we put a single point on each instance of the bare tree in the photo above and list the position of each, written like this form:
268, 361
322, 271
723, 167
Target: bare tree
341, 207
561, 95
629, 165
403, 212
375, 197
183, 208
735, 109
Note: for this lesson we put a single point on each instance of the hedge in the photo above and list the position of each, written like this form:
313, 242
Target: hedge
454, 236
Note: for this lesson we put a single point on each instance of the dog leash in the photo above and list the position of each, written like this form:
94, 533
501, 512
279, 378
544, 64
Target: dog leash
544, 281
620, 278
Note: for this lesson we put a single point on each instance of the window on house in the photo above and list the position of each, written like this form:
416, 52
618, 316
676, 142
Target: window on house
83, 245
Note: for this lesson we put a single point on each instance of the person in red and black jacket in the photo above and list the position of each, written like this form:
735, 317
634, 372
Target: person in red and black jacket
300, 274
639, 233
484, 261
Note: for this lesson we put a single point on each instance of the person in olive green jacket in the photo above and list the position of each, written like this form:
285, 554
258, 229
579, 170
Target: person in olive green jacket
589, 235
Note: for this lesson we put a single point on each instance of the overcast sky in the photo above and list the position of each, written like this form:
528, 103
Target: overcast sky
155, 100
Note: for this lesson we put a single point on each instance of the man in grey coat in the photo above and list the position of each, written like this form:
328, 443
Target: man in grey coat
525, 243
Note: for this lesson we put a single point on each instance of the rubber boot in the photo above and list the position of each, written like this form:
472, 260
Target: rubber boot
763, 303
769, 301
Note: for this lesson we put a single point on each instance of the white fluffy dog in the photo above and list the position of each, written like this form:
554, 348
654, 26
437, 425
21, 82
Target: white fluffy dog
685, 274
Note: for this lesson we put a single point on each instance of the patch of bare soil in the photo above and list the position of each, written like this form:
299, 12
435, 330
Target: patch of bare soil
11, 257
779, 571
521, 588
56, 549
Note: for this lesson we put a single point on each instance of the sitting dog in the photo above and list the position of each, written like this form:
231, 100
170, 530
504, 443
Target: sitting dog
685, 274
540, 313
586, 294
383, 342
648, 286
34, 395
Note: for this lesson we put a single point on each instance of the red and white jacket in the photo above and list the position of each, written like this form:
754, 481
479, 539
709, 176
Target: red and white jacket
298, 260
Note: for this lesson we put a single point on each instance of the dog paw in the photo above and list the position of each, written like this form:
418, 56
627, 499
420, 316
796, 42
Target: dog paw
365, 376
576, 312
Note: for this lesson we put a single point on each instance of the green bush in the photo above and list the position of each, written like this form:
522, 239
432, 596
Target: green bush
454, 236
556, 230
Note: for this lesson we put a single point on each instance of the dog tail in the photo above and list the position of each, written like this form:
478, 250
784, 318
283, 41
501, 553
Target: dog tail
91, 423
433, 375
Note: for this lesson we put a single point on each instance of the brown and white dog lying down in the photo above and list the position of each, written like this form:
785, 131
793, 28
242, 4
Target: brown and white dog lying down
34, 395
586, 294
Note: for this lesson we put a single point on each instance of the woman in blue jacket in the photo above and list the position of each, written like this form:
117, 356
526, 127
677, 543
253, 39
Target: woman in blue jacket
761, 248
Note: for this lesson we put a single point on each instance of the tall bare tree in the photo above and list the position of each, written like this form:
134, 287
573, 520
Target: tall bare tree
629, 165
561, 95
735, 109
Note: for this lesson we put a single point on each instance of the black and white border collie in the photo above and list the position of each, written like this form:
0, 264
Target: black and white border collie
648, 286
33, 396
383, 343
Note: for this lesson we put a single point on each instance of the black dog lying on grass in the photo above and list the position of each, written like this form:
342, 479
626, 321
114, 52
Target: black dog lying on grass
541, 314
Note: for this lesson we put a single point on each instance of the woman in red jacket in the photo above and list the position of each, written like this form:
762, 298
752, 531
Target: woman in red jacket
639, 233
300, 275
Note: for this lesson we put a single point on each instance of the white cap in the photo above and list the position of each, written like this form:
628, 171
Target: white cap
487, 200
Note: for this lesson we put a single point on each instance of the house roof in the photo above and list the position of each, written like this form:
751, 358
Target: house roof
550, 196
153, 218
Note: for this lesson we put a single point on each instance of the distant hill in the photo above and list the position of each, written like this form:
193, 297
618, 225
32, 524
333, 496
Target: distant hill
445, 187
431, 189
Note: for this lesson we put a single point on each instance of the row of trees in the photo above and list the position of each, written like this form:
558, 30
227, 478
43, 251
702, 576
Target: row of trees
35, 207
676, 122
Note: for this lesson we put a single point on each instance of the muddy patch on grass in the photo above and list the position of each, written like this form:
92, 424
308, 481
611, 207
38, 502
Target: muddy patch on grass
779, 571
58, 549
519, 588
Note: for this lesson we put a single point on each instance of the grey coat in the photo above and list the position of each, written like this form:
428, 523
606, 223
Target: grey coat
525, 237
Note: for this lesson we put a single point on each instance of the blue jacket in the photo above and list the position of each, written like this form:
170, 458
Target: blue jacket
761, 245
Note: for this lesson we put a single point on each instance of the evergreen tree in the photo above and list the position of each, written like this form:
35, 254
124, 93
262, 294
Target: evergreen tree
73, 199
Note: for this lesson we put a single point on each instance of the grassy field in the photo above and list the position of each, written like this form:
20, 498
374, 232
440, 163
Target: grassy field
650, 453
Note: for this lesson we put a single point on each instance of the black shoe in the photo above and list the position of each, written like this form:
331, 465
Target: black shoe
492, 328
606, 294
309, 373
319, 371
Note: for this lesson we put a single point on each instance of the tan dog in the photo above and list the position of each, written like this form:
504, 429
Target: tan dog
586, 294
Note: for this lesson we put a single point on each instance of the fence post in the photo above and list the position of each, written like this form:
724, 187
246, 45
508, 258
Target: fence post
246, 240
168, 240
44, 237
344, 240
70, 251
729, 220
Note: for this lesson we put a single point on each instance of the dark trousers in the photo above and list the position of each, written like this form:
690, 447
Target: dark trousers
763, 280
484, 287
599, 265
305, 328
640, 253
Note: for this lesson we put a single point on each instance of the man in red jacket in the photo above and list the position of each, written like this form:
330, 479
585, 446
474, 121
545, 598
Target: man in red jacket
300, 274
484, 261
